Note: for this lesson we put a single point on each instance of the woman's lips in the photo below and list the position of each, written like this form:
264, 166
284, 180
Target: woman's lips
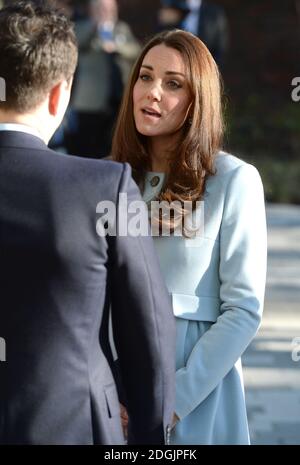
151, 113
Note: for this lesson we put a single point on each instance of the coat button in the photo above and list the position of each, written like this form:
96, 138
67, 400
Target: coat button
154, 181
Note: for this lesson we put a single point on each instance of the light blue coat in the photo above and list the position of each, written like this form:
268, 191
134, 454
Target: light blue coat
216, 282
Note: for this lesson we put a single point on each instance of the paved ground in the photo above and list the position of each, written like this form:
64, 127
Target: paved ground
272, 378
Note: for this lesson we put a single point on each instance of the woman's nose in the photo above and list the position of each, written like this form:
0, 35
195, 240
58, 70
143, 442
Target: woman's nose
155, 93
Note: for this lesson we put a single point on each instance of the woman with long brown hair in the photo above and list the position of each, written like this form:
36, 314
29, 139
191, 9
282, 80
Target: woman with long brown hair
170, 130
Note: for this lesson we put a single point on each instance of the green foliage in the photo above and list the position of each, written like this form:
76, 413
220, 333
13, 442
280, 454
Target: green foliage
264, 125
281, 178
267, 134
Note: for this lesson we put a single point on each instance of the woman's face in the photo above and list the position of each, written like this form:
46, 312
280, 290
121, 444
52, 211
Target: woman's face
161, 96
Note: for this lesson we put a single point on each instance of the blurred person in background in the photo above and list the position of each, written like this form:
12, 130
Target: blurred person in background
171, 14
115, 35
208, 21
170, 130
107, 49
202, 18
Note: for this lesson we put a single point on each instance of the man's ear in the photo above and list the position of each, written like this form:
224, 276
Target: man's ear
54, 98
57, 96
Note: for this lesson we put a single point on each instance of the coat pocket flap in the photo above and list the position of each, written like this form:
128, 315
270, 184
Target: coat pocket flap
199, 308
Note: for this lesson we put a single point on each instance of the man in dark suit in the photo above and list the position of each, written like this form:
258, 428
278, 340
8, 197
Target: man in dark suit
59, 278
208, 21
202, 18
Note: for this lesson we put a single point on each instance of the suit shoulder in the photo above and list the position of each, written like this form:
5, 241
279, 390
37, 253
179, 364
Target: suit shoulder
89, 168
77, 162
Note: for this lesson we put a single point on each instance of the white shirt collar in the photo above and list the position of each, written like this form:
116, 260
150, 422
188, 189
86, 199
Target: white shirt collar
20, 128
191, 21
194, 4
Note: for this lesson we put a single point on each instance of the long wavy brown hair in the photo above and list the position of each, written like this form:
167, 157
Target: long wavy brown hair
201, 133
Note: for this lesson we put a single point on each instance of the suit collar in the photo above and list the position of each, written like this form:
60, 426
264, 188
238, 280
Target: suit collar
19, 139
20, 127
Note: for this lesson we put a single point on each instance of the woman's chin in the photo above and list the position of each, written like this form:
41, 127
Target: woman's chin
150, 132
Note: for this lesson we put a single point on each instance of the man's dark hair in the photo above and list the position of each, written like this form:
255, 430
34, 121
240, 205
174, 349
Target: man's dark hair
38, 49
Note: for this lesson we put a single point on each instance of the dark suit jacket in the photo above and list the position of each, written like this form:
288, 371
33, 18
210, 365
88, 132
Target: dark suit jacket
58, 278
213, 30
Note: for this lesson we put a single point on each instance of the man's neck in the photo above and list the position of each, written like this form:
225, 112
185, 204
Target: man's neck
20, 128
23, 120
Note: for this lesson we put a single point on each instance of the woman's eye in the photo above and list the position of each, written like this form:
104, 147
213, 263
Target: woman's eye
174, 85
144, 77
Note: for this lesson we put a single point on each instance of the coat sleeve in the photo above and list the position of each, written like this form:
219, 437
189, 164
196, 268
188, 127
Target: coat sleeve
143, 329
242, 274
